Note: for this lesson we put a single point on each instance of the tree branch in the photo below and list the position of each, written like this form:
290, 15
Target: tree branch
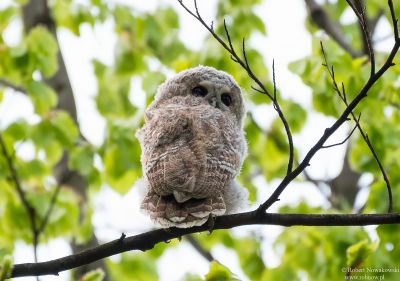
49, 210
359, 10
199, 248
343, 141
343, 118
8, 84
343, 97
31, 212
146, 241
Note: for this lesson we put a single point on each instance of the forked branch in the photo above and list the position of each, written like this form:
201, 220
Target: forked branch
342, 94
37, 228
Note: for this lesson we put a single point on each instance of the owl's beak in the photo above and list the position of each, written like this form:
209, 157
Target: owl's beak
213, 100
214, 96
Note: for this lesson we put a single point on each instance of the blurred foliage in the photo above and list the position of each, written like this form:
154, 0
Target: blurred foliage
148, 49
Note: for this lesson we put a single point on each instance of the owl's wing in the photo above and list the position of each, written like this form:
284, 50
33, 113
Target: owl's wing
163, 127
170, 157
225, 148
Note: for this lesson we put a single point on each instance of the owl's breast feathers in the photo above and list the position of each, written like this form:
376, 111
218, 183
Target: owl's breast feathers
191, 153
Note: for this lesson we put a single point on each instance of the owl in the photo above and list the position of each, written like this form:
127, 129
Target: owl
193, 146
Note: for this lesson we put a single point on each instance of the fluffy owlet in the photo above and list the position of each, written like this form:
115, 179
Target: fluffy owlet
193, 146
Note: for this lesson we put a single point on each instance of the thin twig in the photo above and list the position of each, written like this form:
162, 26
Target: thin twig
346, 139
9, 84
49, 210
36, 229
342, 95
360, 13
394, 104
394, 21
273, 80
245, 65
21, 194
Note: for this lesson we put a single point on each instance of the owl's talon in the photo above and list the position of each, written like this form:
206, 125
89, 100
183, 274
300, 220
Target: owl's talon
122, 237
210, 223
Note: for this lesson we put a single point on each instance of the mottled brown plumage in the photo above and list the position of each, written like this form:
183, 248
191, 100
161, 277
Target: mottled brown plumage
193, 146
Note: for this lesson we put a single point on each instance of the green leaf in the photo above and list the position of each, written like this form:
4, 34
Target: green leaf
357, 253
81, 159
94, 275
5, 17
43, 49
113, 97
150, 83
6, 267
122, 164
296, 115
33, 170
64, 127
218, 272
250, 256
192, 277
18, 130
85, 230
43, 97
137, 266
65, 217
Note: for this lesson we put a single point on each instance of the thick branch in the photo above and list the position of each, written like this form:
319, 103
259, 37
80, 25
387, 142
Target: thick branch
146, 241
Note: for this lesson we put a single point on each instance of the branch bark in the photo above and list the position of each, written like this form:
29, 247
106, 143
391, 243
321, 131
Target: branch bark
146, 241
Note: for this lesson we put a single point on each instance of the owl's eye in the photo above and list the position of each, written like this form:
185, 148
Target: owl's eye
226, 99
199, 91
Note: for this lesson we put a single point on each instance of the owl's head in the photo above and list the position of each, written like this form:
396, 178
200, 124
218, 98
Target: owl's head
204, 85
